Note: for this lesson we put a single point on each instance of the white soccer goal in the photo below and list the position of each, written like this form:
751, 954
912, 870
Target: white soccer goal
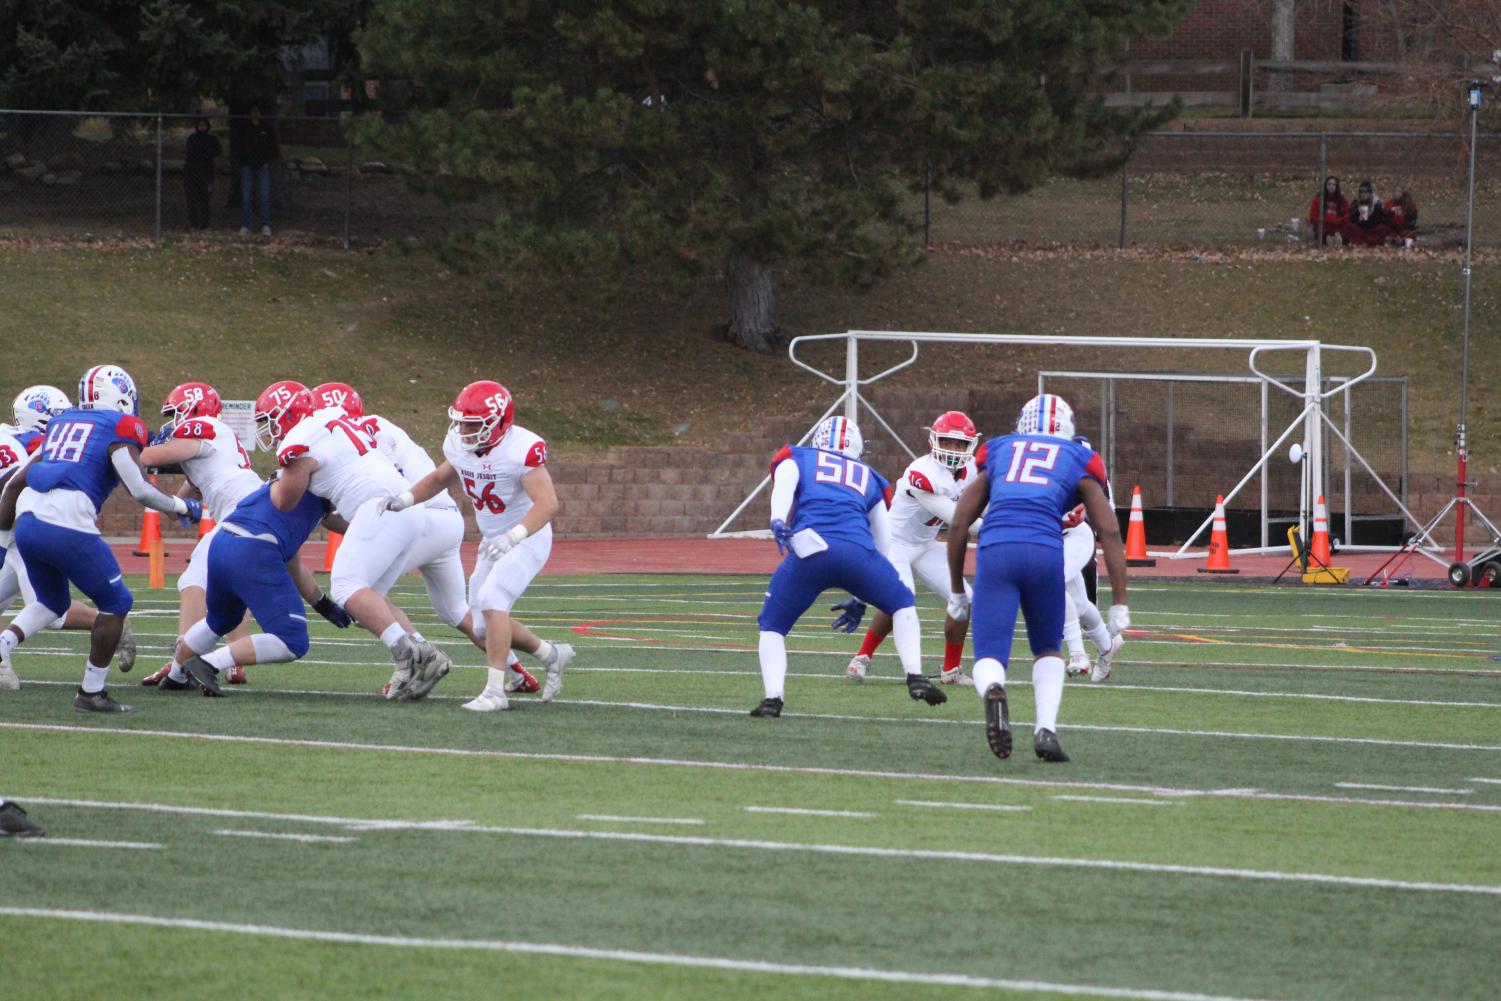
1307, 428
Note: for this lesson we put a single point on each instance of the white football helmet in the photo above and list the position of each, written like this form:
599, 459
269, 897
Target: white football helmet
36, 405
839, 434
1046, 414
109, 387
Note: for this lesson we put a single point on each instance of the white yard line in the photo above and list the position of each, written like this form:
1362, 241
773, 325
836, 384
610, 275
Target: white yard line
1496, 782
271, 835
88, 843
934, 804
1386, 788
617, 955
798, 811
611, 819
1118, 799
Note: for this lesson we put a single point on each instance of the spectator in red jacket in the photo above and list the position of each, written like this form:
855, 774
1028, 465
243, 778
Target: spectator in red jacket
1366, 225
1402, 216
1333, 206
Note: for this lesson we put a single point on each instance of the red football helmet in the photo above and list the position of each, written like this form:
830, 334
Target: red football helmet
339, 394
278, 409
953, 439
191, 399
481, 415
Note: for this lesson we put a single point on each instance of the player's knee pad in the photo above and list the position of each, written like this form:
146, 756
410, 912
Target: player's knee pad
200, 638
278, 648
33, 619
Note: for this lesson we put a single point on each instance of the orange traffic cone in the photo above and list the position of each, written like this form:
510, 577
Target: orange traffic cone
1219, 543
1136, 534
151, 529
205, 526
1318, 548
334, 538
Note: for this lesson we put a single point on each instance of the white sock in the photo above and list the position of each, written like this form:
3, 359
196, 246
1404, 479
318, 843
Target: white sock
271, 649
774, 664
1073, 637
986, 672
418, 636
1047, 689
512, 660
8, 643
93, 678
221, 659
546, 653
1100, 637
904, 634
495, 681
176, 673
392, 635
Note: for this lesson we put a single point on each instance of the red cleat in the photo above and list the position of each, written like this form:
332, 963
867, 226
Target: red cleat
235, 675
385, 689
519, 679
155, 678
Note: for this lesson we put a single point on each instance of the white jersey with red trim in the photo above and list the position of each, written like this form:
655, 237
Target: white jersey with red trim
351, 469
911, 523
221, 469
410, 459
492, 481
12, 454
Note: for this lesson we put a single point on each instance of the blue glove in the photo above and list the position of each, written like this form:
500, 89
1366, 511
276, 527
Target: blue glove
334, 613
851, 612
194, 515
163, 433
782, 534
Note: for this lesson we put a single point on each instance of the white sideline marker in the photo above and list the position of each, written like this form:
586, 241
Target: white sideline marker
799, 811
87, 843
1126, 800
1493, 782
1386, 788
272, 836
606, 818
621, 955
934, 804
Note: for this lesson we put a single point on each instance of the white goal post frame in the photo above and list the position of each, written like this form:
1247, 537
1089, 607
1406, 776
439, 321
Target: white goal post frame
1311, 419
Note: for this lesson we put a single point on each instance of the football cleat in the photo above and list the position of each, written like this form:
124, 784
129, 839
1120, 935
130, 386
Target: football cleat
488, 701
858, 667
953, 676
997, 721
204, 673
923, 690
1078, 664
1045, 743
97, 702
562, 653
768, 707
125, 653
171, 684
14, 823
1102, 666
9, 680
519, 679
432, 667
404, 655
155, 677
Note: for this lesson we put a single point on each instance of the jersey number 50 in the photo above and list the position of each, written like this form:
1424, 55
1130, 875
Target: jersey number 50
833, 469
1027, 458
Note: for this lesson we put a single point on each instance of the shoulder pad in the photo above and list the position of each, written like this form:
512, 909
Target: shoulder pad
195, 429
785, 453
290, 454
536, 455
918, 480
131, 429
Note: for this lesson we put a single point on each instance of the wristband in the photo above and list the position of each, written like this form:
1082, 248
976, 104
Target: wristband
517, 534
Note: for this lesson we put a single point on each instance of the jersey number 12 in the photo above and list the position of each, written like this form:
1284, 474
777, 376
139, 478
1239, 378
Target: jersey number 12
1028, 458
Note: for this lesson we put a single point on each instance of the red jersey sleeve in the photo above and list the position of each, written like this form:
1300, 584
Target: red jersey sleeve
35, 444
195, 431
1096, 468
132, 431
919, 481
290, 454
887, 494
536, 455
776, 460
981, 453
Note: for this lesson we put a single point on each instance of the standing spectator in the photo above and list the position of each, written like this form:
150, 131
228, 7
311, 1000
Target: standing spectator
1402, 217
1366, 225
1332, 206
258, 151
198, 172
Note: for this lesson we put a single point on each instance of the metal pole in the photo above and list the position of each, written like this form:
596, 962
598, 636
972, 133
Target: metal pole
852, 378
158, 229
1110, 459
1170, 444
348, 190
1403, 458
1323, 173
927, 206
1462, 447
1349, 501
1265, 512
1125, 201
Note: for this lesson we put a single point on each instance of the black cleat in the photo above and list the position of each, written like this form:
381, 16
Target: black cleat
171, 684
97, 702
768, 707
1045, 743
14, 823
997, 721
923, 690
204, 673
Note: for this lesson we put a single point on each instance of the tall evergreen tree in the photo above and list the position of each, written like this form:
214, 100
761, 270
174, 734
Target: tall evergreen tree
745, 134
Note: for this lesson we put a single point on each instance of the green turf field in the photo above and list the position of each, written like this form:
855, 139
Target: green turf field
1281, 794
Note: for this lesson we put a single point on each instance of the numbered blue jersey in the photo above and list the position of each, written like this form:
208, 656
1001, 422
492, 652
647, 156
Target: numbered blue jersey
257, 515
75, 453
834, 494
1034, 481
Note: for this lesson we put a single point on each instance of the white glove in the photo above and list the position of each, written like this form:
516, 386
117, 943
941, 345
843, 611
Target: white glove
494, 549
958, 606
397, 502
1118, 619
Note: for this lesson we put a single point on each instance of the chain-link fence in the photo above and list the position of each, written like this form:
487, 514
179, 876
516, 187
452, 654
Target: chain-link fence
128, 175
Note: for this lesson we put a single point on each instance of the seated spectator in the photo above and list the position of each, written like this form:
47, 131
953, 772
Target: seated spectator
1366, 225
1334, 207
1402, 216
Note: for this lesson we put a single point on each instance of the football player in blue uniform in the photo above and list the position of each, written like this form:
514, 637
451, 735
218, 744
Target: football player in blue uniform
88, 451
34, 406
828, 515
253, 564
1030, 479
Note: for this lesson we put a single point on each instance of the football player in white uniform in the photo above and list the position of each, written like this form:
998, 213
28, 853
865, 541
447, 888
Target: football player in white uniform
503, 470
437, 555
922, 502
322, 451
1082, 616
218, 470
